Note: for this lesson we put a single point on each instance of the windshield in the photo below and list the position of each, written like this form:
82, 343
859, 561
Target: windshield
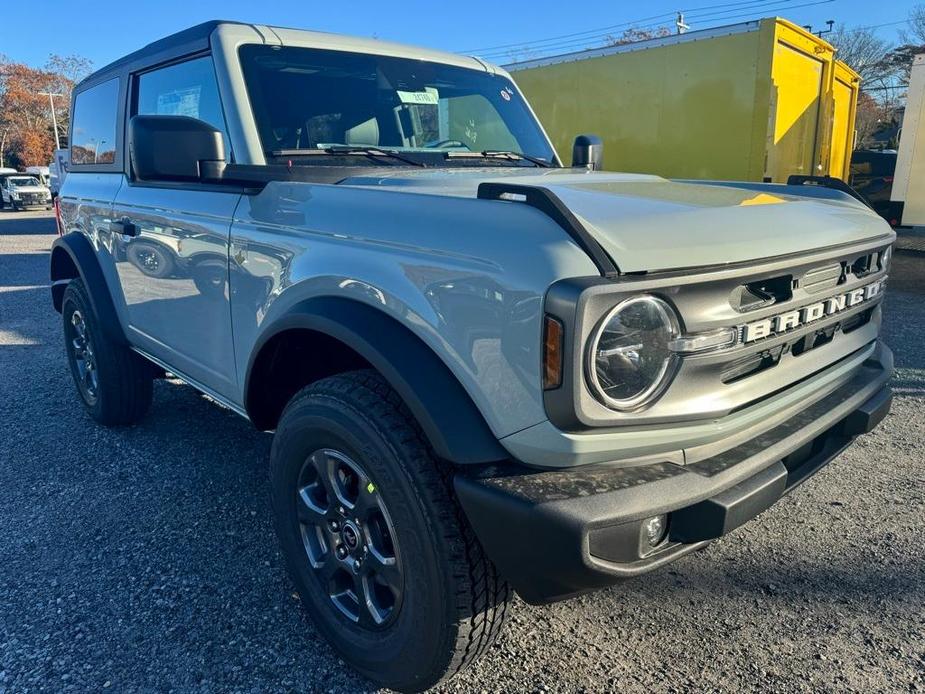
310, 99
22, 181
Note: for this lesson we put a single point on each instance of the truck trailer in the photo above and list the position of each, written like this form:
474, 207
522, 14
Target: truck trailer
908, 196
757, 101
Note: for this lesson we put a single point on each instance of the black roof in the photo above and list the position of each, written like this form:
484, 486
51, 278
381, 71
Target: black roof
194, 38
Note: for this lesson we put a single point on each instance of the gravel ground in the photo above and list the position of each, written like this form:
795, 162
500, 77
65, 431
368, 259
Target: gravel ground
143, 559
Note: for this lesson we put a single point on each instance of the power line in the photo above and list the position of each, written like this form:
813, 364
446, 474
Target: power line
587, 42
584, 43
887, 24
666, 16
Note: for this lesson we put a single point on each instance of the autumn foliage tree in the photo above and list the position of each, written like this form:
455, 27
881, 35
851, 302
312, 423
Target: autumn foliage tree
26, 130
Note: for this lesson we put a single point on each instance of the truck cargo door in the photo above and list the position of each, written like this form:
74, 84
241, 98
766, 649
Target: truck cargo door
798, 88
844, 96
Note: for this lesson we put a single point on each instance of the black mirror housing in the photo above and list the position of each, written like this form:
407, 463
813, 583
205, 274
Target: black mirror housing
174, 148
588, 152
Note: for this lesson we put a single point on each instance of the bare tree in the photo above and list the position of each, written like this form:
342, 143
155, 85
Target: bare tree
915, 34
864, 52
632, 35
872, 115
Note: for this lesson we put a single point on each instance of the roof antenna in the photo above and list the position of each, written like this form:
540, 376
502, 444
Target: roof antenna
682, 27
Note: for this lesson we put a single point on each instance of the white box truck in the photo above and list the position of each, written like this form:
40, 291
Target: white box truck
909, 180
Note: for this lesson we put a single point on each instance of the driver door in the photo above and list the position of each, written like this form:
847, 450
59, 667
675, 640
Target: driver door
172, 263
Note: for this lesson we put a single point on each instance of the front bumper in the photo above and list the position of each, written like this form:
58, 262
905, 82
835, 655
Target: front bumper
557, 533
26, 204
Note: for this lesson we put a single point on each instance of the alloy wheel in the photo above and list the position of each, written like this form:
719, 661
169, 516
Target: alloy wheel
349, 539
83, 356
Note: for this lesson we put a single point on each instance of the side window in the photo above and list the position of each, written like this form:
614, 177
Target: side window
184, 89
93, 135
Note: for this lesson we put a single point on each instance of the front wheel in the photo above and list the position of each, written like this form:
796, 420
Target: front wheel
374, 539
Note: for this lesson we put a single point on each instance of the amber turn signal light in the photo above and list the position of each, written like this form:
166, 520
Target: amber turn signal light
552, 353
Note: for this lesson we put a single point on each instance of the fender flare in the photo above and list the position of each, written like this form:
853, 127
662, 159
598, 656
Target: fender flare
450, 419
76, 247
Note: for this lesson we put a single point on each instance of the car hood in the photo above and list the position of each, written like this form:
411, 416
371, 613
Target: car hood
648, 223
30, 189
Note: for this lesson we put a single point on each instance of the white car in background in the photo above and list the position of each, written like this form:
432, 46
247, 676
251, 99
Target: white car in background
22, 191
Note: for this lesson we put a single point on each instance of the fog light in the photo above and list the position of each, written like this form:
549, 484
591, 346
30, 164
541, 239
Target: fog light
654, 531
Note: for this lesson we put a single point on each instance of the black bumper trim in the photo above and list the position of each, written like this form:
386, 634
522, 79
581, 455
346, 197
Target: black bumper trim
731, 508
558, 533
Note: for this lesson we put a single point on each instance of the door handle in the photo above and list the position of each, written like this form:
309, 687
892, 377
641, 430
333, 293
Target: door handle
124, 226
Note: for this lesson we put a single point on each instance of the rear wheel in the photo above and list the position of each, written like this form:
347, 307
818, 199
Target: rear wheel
152, 259
374, 539
114, 383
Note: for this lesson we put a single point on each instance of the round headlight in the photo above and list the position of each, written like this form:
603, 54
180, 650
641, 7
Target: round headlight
630, 361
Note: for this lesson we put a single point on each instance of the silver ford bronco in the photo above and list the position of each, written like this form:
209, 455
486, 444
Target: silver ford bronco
486, 372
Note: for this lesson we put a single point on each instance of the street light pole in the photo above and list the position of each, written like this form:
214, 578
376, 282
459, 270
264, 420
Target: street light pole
54, 119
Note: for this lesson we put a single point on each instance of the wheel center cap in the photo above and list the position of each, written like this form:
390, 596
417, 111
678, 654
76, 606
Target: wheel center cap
350, 535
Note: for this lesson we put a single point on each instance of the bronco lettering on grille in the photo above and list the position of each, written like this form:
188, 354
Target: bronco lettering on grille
807, 314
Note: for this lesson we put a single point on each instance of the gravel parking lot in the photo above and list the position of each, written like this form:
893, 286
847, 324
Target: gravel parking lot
143, 559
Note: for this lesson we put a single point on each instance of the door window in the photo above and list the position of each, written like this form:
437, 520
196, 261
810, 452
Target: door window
185, 89
93, 137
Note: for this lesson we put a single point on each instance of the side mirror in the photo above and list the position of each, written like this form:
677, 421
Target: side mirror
588, 152
174, 148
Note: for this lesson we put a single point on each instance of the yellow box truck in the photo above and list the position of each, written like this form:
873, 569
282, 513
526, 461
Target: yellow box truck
756, 101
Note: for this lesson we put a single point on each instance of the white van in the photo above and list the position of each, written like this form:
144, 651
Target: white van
909, 179
42, 173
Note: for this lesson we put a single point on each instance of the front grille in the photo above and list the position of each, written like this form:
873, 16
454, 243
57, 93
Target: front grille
711, 384
822, 279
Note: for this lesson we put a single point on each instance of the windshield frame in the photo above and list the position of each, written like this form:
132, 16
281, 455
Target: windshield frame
525, 120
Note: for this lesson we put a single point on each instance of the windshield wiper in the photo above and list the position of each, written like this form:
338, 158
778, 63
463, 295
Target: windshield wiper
361, 150
500, 154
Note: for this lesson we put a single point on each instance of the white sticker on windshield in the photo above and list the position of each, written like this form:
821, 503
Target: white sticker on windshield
426, 98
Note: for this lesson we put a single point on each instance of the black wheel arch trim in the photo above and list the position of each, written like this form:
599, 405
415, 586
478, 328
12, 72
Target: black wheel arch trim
79, 250
450, 419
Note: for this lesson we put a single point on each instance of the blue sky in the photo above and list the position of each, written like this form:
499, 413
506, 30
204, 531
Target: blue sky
106, 29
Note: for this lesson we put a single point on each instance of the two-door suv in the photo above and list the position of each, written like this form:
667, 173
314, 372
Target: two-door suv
486, 372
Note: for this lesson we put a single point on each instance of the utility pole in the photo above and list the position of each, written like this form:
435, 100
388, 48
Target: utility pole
54, 119
682, 27
830, 24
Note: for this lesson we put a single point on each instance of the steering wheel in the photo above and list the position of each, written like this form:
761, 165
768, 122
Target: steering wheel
447, 143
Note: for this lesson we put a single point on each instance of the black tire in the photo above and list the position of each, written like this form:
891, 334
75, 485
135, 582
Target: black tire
114, 383
153, 259
209, 276
453, 602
